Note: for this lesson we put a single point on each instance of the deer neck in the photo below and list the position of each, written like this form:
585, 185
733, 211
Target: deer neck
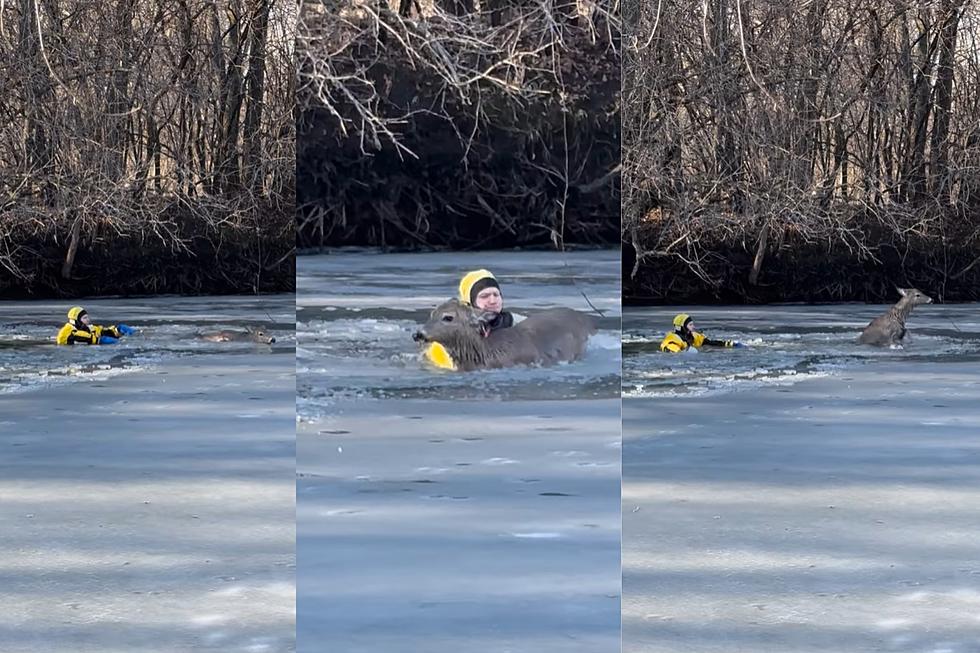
902, 309
468, 349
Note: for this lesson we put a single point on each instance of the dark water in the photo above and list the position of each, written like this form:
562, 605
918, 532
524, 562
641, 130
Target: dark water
786, 344
167, 329
356, 313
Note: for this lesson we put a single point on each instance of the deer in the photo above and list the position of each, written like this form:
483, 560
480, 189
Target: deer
249, 335
545, 338
888, 330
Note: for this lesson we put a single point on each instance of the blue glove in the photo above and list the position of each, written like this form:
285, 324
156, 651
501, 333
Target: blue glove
108, 340
125, 330
738, 345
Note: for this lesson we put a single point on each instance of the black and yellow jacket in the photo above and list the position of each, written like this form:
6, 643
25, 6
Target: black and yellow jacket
503, 320
70, 334
675, 341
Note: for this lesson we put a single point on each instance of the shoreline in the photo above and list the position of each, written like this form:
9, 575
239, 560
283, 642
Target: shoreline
72, 298
314, 250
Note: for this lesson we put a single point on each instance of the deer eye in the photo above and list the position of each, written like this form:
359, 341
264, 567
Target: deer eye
447, 318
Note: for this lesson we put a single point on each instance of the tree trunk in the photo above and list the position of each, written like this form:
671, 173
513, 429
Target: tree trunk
840, 158
37, 141
252, 129
231, 100
727, 146
805, 149
760, 255
117, 91
66, 267
914, 175
939, 145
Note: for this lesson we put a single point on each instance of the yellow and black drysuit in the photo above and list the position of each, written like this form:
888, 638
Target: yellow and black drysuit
76, 332
681, 337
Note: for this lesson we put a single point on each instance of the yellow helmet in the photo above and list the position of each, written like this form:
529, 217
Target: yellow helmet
75, 313
473, 282
681, 320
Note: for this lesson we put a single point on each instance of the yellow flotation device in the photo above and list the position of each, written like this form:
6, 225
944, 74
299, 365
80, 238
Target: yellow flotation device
436, 354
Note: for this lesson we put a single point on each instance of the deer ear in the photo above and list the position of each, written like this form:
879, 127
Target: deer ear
901, 291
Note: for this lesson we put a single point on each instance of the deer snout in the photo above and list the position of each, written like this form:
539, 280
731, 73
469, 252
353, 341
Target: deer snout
271, 340
419, 336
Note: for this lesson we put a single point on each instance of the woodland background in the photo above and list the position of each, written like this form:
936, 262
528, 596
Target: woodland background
823, 150
460, 124
146, 146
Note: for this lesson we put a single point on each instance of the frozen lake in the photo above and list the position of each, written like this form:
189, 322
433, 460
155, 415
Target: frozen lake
443, 511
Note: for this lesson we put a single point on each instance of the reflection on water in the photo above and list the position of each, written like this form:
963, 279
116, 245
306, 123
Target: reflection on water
786, 344
356, 312
168, 328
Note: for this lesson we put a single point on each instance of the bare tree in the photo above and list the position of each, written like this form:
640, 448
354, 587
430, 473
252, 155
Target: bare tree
759, 137
154, 126
433, 124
